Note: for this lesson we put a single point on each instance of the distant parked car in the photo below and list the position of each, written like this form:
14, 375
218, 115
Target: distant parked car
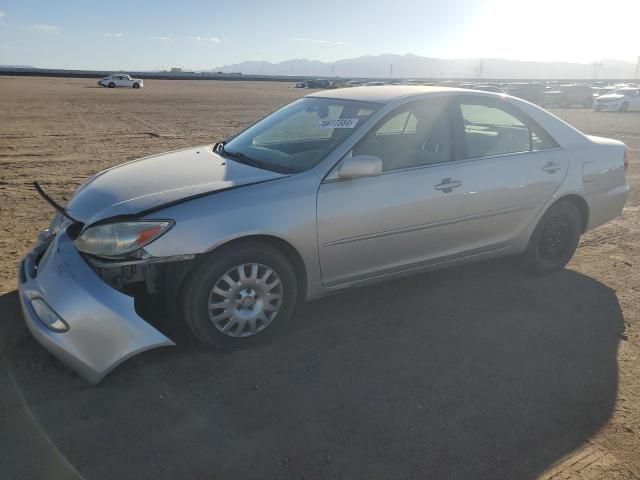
120, 80
339, 84
532, 92
339, 189
620, 100
318, 83
568, 95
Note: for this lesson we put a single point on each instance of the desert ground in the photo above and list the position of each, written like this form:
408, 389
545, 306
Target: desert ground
479, 372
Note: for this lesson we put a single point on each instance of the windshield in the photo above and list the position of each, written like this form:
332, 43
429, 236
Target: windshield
298, 136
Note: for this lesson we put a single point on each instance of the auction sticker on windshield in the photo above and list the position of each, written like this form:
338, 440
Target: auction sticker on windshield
339, 123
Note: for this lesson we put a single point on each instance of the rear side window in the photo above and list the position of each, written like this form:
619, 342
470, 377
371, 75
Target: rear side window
494, 129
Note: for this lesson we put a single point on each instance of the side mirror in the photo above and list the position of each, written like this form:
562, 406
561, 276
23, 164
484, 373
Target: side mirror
360, 166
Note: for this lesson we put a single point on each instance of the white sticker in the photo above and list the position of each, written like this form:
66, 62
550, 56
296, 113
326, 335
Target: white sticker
339, 123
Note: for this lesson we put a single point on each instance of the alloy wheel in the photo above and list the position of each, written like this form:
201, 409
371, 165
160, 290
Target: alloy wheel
245, 300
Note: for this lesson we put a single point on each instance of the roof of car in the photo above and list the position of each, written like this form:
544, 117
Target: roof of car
386, 93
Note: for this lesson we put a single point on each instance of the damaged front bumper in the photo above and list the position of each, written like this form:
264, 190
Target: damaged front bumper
98, 328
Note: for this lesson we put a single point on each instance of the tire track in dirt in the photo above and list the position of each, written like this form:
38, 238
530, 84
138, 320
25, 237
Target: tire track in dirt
155, 131
86, 132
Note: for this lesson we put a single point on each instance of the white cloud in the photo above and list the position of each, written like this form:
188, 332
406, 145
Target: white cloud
2, 14
113, 35
206, 39
53, 29
198, 39
323, 42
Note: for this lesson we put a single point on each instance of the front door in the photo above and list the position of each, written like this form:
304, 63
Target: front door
376, 226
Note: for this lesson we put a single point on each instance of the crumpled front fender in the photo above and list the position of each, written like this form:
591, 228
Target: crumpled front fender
104, 329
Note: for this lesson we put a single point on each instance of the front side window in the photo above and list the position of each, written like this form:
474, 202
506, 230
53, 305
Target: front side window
299, 136
413, 135
494, 129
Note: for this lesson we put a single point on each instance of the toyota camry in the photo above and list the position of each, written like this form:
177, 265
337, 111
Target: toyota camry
336, 190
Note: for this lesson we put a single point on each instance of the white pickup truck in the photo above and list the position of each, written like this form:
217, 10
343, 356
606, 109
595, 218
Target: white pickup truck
120, 80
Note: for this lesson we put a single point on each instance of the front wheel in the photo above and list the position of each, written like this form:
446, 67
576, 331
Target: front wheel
111, 85
240, 295
555, 239
624, 107
136, 85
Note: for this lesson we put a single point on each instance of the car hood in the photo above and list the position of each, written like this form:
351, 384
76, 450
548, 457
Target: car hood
152, 182
611, 96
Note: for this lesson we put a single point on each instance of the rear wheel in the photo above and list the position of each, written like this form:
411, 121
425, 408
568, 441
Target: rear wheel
111, 85
136, 85
555, 239
240, 295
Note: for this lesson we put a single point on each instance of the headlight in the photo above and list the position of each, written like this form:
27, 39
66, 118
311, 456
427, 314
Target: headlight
118, 239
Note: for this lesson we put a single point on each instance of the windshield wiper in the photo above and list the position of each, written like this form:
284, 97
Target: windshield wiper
240, 157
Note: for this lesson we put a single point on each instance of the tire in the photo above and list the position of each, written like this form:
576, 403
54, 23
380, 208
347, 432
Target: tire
136, 85
111, 85
200, 291
624, 107
554, 240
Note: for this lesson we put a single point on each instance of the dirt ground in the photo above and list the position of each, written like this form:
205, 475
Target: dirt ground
475, 372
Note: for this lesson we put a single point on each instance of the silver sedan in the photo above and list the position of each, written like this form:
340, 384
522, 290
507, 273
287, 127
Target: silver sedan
339, 189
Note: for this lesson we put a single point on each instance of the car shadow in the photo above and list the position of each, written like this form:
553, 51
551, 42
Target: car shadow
475, 372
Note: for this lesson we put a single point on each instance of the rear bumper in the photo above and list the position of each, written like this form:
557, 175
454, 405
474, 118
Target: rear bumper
104, 329
606, 205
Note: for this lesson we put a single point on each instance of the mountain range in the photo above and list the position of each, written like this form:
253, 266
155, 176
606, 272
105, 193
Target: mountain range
415, 66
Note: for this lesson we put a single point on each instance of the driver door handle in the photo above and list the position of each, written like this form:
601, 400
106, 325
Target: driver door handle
446, 185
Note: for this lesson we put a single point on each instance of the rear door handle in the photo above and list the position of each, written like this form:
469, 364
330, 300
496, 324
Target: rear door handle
446, 185
551, 167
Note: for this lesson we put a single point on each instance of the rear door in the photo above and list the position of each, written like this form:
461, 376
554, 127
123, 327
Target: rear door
509, 168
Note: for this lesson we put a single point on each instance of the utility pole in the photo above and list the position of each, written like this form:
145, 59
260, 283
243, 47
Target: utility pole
391, 70
480, 69
637, 73
596, 69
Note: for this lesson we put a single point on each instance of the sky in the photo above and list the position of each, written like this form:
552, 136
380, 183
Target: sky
202, 35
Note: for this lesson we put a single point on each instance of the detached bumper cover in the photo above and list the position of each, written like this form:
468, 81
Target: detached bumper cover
104, 329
